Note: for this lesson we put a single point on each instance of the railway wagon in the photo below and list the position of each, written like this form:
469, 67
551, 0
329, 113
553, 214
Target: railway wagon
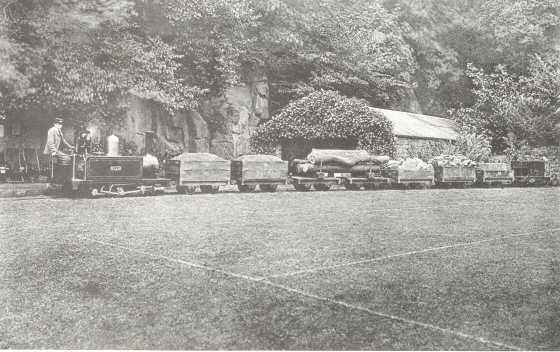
454, 175
410, 173
205, 171
533, 173
266, 171
489, 174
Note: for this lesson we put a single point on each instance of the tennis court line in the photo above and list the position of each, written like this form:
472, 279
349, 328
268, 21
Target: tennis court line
404, 254
266, 282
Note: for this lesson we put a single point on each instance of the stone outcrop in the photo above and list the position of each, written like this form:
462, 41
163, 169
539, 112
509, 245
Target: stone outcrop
222, 125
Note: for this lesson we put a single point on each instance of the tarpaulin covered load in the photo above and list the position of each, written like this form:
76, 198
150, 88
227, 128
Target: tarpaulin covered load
346, 158
259, 167
338, 161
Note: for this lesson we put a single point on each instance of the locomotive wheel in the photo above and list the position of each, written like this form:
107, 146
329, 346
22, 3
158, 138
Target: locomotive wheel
247, 188
352, 186
321, 187
554, 181
209, 189
302, 187
268, 187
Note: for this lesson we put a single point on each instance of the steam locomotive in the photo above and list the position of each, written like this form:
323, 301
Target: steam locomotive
85, 173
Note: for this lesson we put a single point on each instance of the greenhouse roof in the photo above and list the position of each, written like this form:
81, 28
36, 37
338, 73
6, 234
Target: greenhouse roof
406, 124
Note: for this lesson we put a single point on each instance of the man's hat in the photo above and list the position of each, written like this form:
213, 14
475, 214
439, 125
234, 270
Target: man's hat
59, 120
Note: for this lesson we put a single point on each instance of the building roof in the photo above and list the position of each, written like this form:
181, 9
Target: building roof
406, 124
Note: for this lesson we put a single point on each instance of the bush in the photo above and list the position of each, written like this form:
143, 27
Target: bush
324, 115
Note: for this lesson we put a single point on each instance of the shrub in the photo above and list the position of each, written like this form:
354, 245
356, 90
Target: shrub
324, 115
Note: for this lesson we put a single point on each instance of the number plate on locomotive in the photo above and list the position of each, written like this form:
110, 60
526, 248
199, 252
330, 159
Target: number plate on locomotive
116, 168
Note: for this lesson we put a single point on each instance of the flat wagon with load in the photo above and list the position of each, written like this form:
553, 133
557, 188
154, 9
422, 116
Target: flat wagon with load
205, 171
454, 170
326, 167
266, 171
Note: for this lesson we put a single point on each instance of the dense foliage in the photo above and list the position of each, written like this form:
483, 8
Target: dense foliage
81, 58
513, 109
324, 115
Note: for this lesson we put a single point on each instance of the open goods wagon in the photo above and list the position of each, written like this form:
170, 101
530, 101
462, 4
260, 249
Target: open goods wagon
449, 175
533, 173
410, 172
266, 171
494, 174
206, 171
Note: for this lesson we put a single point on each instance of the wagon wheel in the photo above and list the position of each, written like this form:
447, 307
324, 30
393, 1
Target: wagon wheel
302, 187
246, 188
181, 189
554, 180
426, 185
369, 186
352, 186
190, 189
209, 189
268, 187
383, 185
206, 189
321, 186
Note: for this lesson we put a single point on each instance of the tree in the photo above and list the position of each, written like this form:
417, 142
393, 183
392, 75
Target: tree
511, 107
83, 57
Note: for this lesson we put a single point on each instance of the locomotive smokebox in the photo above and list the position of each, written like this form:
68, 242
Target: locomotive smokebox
150, 163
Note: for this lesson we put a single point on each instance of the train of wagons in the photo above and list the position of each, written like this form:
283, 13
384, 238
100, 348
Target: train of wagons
89, 174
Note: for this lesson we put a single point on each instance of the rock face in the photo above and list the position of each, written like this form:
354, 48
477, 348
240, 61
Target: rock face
222, 125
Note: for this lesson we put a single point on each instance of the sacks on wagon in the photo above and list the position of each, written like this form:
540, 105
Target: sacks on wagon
445, 160
454, 168
409, 170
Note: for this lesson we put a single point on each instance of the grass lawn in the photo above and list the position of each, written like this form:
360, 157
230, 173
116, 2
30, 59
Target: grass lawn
284, 271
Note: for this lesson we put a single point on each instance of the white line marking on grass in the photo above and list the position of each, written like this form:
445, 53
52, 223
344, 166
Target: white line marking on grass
264, 281
404, 254
445, 206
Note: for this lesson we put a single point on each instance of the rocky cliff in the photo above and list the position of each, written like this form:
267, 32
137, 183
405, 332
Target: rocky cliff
221, 125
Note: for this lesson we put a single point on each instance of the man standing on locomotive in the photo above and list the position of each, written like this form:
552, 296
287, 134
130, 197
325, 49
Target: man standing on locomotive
55, 140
